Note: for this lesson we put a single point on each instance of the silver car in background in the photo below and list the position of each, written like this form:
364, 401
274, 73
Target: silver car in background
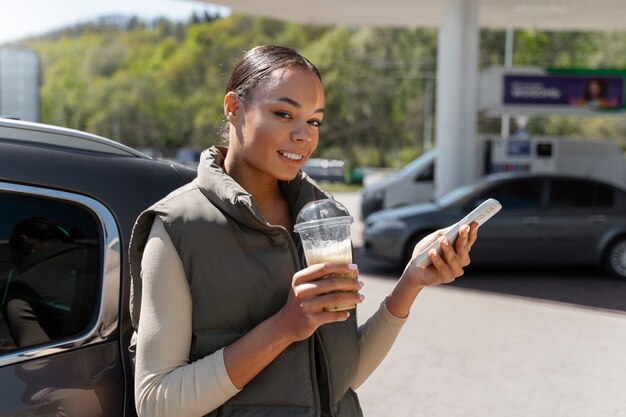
545, 220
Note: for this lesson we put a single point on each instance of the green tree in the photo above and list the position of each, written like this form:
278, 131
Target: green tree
161, 83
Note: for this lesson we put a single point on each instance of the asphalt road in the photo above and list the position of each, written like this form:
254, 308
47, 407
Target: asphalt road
581, 286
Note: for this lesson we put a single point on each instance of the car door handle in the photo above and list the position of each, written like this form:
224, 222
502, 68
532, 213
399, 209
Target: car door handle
531, 220
596, 218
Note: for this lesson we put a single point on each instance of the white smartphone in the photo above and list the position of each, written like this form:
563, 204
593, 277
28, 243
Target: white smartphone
479, 215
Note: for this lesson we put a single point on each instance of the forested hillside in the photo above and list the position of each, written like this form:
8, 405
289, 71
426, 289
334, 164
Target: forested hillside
160, 84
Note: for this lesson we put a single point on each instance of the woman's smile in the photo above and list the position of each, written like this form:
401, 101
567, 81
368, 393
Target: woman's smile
277, 128
291, 156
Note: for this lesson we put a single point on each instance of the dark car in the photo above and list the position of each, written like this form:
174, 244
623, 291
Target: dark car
320, 169
545, 220
68, 201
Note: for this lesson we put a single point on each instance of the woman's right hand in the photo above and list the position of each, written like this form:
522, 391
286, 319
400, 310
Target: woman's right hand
301, 315
304, 310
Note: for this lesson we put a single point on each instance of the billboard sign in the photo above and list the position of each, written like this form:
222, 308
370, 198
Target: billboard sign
537, 91
561, 90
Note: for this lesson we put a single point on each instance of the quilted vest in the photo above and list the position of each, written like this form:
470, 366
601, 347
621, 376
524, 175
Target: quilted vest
239, 270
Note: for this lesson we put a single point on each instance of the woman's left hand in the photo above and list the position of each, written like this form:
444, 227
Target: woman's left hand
447, 266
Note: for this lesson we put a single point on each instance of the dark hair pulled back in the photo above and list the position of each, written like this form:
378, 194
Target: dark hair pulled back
258, 63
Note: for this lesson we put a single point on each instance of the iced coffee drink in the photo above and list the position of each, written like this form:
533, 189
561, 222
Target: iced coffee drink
324, 229
330, 252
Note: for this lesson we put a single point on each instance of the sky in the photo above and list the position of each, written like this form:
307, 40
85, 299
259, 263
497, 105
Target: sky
24, 18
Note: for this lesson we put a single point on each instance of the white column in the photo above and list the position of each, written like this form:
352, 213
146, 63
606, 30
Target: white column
505, 130
457, 85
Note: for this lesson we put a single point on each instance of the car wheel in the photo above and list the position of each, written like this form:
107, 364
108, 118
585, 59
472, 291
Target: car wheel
615, 259
408, 250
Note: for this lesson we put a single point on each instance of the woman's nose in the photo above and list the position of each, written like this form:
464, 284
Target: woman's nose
301, 133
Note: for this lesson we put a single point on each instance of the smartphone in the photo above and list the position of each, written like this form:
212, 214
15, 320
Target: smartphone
479, 215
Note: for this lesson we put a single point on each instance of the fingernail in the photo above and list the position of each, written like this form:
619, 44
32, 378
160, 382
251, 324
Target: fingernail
347, 315
445, 242
353, 267
361, 284
361, 297
433, 252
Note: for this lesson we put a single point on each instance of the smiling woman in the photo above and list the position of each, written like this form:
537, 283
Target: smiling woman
232, 322
275, 130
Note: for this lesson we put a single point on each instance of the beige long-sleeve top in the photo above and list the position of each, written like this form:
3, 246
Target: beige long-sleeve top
166, 384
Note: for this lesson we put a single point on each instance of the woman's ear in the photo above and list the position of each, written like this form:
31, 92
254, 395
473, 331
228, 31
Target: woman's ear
231, 106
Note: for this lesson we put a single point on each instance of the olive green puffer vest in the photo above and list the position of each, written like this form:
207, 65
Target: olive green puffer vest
239, 270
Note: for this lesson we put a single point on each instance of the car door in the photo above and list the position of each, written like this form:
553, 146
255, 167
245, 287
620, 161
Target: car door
576, 217
513, 235
59, 295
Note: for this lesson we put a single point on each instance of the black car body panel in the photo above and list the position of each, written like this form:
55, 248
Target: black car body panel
91, 366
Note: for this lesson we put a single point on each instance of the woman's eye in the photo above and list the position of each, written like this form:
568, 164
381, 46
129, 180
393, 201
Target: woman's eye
283, 114
316, 123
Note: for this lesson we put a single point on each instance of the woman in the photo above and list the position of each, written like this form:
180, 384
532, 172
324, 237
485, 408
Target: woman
231, 322
596, 95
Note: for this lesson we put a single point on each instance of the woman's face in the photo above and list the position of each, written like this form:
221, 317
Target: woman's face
594, 89
277, 128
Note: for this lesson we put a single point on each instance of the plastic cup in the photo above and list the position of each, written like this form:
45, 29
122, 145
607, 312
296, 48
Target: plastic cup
324, 229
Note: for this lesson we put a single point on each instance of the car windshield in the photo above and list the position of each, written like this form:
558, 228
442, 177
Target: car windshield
457, 196
421, 160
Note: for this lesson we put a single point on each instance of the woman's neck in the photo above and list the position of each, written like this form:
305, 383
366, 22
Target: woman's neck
265, 192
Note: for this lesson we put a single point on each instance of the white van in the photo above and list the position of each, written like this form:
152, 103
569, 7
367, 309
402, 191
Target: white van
414, 184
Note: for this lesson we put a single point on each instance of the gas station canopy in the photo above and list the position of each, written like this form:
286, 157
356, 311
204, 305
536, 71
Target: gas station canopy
585, 15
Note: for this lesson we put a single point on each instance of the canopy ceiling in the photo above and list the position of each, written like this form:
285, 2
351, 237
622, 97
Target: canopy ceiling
604, 15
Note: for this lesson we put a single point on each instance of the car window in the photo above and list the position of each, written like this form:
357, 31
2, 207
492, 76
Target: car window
427, 174
519, 193
48, 270
567, 192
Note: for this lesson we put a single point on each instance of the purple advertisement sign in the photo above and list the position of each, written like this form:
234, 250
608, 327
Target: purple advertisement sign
599, 92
